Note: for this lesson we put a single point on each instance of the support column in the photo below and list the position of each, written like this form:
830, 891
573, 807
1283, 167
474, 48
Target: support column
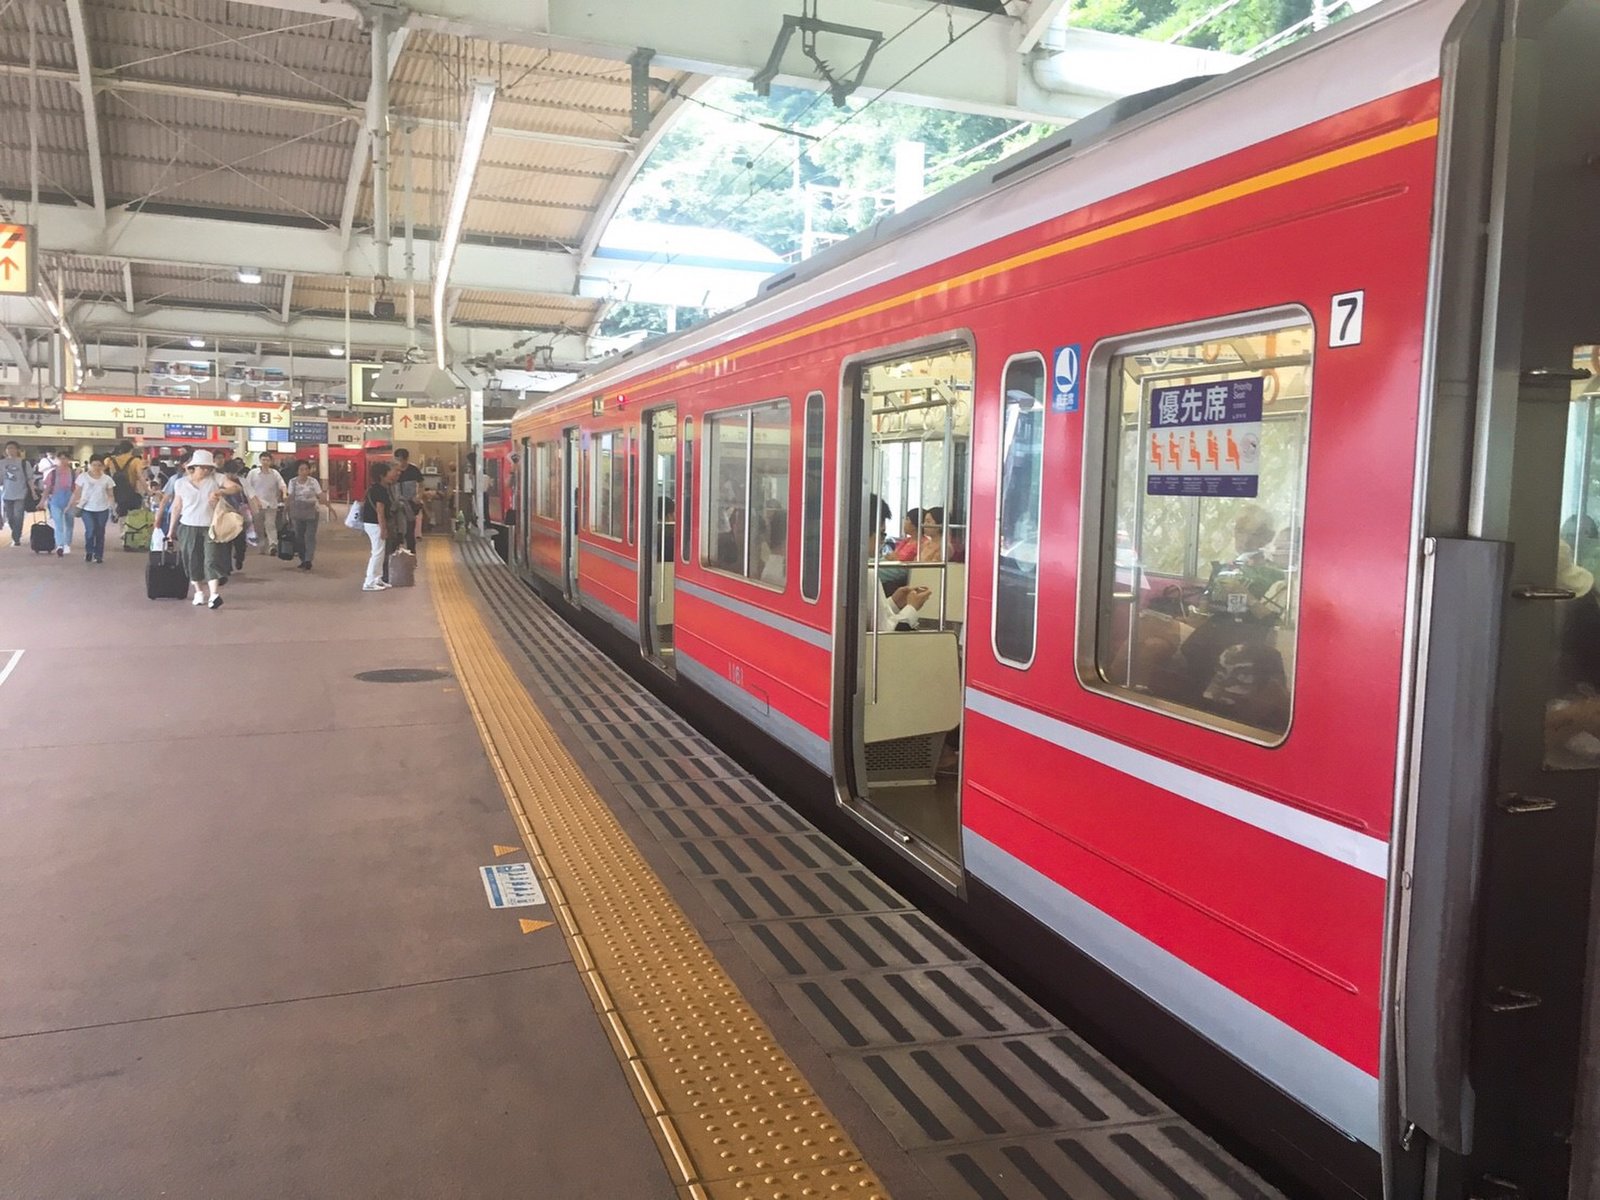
475, 437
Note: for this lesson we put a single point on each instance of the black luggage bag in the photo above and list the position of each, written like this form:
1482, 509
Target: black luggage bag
286, 543
42, 537
164, 578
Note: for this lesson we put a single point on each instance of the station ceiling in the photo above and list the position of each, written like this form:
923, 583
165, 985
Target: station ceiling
161, 145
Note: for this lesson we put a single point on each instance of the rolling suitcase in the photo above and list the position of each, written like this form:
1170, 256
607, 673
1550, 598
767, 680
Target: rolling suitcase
402, 569
136, 527
164, 578
286, 543
42, 538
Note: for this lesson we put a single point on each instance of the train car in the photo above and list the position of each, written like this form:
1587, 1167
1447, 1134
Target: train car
1169, 550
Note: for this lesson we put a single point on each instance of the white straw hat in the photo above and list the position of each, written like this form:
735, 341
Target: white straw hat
202, 458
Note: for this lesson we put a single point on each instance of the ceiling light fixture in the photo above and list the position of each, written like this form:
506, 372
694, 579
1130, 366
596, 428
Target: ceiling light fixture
336, 351
249, 274
199, 343
472, 138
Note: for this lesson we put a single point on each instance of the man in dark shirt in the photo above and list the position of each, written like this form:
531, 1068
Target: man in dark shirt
408, 489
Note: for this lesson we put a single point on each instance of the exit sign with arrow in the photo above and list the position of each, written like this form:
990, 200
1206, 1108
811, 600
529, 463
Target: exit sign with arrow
16, 260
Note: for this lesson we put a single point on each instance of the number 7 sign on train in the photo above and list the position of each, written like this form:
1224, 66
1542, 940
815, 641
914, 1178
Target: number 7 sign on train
1204, 439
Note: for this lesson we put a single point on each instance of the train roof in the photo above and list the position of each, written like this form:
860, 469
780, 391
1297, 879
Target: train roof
1393, 45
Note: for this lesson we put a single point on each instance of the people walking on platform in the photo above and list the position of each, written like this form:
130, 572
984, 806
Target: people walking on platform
408, 486
376, 509
194, 502
58, 487
16, 489
164, 517
95, 497
244, 504
126, 469
305, 499
265, 487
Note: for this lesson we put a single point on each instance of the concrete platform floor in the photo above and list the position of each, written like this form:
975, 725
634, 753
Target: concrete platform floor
244, 946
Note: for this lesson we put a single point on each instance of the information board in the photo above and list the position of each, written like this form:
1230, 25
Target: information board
431, 424
158, 410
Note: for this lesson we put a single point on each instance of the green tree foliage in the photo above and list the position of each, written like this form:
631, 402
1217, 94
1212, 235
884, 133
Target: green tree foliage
738, 161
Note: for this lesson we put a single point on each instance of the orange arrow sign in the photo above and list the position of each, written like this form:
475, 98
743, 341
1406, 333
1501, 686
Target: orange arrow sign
533, 926
500, 851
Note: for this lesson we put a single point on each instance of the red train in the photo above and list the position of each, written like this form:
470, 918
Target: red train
1166, 550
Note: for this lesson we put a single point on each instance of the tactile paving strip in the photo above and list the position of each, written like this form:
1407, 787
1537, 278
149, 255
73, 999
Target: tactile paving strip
730, 1111
992, 1097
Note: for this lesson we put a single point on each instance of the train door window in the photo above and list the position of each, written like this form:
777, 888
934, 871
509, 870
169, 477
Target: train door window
547, 480
1572, 730
811, 502
1197, 603
1016, 579
686, 524
608, 484
747, 493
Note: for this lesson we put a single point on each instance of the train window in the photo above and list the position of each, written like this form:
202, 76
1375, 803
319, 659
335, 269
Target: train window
547, 480
1205, 472
747, 493
632, 459
608, 487
1016, 590
688, 486
811, 502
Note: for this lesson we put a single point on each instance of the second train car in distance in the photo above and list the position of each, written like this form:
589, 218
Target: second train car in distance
1176, 549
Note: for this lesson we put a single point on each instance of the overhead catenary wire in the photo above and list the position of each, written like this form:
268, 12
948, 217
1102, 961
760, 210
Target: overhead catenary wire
756, 189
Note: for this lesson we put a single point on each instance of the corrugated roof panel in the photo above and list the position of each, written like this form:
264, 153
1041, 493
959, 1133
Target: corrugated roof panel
178, 285
288, 53
53, 34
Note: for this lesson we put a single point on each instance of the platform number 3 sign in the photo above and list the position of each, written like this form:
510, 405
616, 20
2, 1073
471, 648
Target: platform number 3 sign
1344, 325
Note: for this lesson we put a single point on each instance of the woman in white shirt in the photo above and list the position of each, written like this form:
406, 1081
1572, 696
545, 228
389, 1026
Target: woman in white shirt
194, 500
94, 497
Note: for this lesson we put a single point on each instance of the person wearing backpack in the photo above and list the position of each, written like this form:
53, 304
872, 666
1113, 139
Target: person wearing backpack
57, 487
206, 561
126, 469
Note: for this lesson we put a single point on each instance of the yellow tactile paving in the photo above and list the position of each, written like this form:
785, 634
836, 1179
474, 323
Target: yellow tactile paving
731, 1113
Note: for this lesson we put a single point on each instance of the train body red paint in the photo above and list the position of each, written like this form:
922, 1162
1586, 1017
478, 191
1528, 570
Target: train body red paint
1241, 886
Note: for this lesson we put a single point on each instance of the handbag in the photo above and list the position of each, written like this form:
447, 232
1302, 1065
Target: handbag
226, 523
352, 519
158, 540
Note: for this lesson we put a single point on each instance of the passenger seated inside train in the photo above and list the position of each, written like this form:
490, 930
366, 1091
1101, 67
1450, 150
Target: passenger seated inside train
1223, 658
774, 547
933, 545
901, 610
907, 549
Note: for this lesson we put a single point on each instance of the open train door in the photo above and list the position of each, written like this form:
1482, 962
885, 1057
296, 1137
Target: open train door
900, 663
658, 500
570, 441
1496, 992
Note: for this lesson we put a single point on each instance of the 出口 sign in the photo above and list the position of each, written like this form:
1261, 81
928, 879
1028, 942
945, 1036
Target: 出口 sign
1204, 439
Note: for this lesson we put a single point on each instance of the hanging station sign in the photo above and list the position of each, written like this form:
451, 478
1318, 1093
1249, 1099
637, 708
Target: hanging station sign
431, 424
60, 433
16, 260
154, 410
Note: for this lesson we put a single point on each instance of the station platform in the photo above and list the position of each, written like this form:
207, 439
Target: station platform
250, 951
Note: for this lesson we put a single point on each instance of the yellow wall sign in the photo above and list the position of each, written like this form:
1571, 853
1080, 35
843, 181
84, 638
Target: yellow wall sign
431, 425
16, 260
157, 410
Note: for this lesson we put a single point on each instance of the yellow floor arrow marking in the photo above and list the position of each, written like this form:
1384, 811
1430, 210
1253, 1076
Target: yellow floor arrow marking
533, 926
501, 851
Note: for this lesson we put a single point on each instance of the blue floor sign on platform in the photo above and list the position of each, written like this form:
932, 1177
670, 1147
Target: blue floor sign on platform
512, 885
